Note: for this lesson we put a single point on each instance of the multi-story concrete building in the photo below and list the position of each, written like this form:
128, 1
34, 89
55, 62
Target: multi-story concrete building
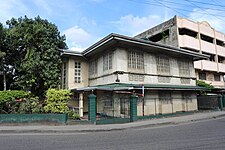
117, 66
196, 37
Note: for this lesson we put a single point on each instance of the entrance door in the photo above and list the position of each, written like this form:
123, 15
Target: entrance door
125, 107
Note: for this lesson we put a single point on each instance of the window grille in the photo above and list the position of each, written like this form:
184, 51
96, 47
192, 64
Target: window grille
165, 97
93, 67
107, 61
186, 96
202, 76
163, 65
184, 68
135, 60
216, 77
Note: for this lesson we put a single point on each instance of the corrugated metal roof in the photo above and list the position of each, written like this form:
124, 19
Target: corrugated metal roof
126, 86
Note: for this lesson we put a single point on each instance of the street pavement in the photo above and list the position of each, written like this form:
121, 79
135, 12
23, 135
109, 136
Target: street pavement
32, 128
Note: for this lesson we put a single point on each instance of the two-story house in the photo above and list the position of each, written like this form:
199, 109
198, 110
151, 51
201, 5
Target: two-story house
117, 66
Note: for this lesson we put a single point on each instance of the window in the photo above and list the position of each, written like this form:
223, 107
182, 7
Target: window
202, 76
184, 68
211, 58
93, 67
163, 65
107, 100
160, 36
77, 72
206, 38
107, 61
165, 97
135, 60
221, 59
216, 77
184, 31
64, 75
186, 96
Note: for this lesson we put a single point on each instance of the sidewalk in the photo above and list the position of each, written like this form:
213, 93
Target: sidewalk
97, 128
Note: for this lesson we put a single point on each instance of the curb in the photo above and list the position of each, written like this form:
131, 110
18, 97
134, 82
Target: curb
21, 131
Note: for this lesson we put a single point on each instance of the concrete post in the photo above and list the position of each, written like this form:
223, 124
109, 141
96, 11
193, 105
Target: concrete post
81, 104
220, 103
223, 100
133, 107
92, 108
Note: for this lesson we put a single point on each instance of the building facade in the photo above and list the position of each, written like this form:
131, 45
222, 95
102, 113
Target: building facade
117, 66
196, 37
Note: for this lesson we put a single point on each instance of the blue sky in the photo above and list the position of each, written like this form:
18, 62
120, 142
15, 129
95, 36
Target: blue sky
86, 21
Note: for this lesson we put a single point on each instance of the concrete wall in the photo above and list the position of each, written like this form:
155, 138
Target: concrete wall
152, 105
148, 75
70, 73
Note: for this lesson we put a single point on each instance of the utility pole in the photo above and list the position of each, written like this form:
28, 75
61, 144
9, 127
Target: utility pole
4, 75
4, 79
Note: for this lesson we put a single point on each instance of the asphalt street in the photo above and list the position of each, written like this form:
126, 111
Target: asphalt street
209, 134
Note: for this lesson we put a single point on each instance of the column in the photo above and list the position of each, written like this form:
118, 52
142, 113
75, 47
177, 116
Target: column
220, 103
133, 107
81, 104
92, 108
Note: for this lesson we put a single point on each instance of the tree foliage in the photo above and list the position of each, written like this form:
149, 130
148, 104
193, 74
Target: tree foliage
32, 54
204, 84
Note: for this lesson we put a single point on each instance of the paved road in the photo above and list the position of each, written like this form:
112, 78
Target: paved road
201, 135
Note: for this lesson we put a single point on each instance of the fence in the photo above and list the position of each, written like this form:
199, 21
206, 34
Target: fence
211, 101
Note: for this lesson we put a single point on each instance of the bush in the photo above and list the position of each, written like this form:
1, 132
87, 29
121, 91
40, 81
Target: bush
73, 115
6, 96
9, 100
57, 101
30, 105
204, 84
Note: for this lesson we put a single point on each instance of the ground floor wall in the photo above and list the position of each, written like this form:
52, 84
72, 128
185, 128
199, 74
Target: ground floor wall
154, 102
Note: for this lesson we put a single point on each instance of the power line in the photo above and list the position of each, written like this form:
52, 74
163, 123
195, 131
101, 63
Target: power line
206, 3
206, 11
178, 10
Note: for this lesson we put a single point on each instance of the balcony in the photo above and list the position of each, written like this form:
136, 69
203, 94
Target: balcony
197, 65
219, 36
216, 84
209, 65
208, 47
189, 42
220, 50
206, 29
185, 23
221, 67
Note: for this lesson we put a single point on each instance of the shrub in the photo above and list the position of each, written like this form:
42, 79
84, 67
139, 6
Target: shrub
204, 84
57, 101
73, 115
30, 105
6, 96
8, 100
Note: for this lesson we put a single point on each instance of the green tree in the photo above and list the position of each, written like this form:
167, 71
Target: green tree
2, 55
33, 54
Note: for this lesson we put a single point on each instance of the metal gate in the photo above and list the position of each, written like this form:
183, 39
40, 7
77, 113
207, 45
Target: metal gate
113, 108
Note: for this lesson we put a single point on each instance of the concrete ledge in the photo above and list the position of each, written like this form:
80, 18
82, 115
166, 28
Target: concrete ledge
24, 118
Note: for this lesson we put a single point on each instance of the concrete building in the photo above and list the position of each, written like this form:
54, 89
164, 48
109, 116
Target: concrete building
196, 37
118, 66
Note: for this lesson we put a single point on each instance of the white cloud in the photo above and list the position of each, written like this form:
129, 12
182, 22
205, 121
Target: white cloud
43, 4
215, 21
12, 8
133, 25
77, 38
